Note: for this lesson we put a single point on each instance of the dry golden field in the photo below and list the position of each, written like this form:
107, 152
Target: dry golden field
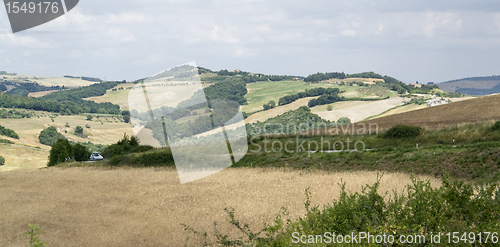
144, 207
466, 111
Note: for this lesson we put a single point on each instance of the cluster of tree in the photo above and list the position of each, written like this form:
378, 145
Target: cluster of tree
4, 141
289, 122
8, 132
85, 78
6, 113
49, 136
76, 106
126, 145
97, 89
370, 74
233, 89
325, 100
324, 76
308, 93
270, 105
66, 102
24, 88
62, 150
245, 76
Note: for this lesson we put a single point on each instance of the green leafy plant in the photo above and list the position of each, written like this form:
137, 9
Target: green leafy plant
2, 161
32, 234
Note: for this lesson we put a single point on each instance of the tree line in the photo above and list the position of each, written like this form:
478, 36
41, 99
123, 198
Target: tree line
308, 93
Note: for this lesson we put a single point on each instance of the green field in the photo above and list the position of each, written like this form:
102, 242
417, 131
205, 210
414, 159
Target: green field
260, 93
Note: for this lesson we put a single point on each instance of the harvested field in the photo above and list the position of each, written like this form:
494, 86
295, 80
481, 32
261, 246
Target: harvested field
40, 94
144, 207
357, 110
466, 111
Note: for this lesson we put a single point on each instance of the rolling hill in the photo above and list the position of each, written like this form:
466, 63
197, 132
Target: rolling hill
473, 85
466, 111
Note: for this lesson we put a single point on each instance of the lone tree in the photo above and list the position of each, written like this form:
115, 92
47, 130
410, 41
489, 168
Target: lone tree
79, 130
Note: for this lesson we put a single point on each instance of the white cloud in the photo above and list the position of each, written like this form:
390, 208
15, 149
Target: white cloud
348, 32
244, 52
128, 18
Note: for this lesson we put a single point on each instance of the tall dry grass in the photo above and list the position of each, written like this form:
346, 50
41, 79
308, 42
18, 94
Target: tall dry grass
144, 207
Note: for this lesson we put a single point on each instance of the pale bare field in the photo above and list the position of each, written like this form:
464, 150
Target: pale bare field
144, 207
118, 97
357, 79
265, 115
403, 109
40, 94
357, 111
51, 81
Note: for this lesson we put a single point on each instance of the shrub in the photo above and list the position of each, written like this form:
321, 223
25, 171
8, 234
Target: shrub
87, 126
49, 136
63, 150
78, 130
402, 131
8, 132
2, 161
6, 141
496, 126
329, 108
344, 120
125, 146
89, 118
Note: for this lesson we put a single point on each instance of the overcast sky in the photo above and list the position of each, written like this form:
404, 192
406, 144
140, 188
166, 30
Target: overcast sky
124, 39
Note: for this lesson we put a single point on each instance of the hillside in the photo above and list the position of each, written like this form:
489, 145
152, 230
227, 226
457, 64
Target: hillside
472, 110
473, 85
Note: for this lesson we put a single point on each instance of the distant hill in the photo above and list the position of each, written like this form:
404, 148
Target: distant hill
473, 85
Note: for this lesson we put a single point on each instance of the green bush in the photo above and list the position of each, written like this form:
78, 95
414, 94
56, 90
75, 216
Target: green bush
496, 126
49, 136
2, 161
78, 130
126, 145
4, 141
89, 118
8, 132
87, 126
63, 150
402, 131
344, 120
